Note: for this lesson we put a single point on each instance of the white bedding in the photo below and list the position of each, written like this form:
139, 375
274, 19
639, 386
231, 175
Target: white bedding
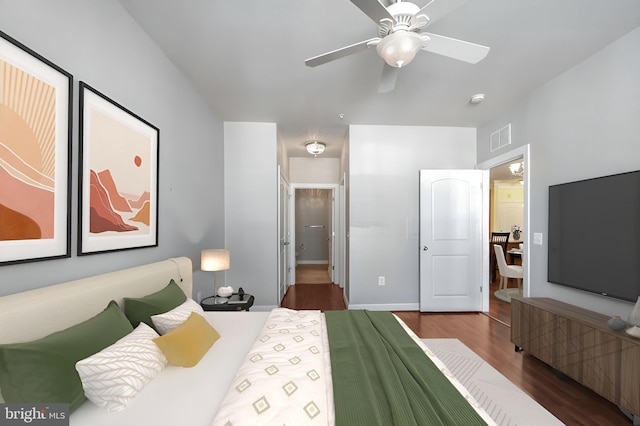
286, 376
193, 396
177, 396
186, 396
267, 390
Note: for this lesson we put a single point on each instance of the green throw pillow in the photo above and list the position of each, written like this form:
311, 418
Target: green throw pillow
141, 309
44, 370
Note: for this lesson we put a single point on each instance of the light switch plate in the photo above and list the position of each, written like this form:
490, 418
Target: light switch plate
537, 238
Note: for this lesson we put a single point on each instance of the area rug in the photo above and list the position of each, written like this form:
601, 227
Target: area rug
506, 294
501, 399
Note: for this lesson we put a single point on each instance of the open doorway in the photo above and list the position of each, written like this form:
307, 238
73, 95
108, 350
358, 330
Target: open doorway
506, 229
508, 212
314, 231
313, 235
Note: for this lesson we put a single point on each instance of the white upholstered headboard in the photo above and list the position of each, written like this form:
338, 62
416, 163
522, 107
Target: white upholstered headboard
37, 313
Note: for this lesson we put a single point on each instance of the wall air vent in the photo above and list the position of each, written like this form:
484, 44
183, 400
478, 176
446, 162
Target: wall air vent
501, 137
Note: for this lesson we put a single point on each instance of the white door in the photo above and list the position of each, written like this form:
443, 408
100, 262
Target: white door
283, 225
451, 212
331, 235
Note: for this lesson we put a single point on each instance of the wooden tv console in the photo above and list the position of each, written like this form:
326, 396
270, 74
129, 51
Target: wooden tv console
578, 343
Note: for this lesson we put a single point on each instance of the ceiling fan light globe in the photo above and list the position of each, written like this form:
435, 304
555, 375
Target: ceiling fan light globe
399, 48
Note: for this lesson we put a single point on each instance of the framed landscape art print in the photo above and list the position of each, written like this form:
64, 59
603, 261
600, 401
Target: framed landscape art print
118, 197
35, 155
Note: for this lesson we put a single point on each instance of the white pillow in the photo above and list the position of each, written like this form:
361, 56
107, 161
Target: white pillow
169, 320
116, 374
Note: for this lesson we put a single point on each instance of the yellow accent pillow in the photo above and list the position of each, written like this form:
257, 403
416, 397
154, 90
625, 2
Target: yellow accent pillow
186, 344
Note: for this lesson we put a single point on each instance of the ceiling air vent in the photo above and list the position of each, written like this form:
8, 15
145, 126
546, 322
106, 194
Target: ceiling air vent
501, 137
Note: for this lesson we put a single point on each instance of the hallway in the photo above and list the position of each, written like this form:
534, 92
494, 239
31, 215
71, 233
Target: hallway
312, 274
324, 297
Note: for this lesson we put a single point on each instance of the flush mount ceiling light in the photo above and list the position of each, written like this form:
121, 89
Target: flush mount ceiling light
477, 98
315, 148
517, 169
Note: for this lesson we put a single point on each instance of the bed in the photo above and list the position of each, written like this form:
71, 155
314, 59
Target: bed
207, 393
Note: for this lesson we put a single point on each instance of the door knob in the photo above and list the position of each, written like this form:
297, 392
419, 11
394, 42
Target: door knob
425, 248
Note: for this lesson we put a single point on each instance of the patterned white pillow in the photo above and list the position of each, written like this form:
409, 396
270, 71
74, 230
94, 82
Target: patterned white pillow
116, 374
167, 321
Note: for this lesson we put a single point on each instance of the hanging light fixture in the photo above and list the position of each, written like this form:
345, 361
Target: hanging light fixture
315, 148
517, 169
400, 47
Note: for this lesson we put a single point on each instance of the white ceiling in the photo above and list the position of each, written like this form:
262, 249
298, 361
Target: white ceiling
246, 58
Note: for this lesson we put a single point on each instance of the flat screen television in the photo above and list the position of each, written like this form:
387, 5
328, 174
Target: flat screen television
594, 235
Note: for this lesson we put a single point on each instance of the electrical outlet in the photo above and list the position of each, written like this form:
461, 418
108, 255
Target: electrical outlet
381, 281
537, 238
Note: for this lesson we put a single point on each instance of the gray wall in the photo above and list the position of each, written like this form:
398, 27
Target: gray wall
582, 124
99, 43
383, 206
251, 209
314, 170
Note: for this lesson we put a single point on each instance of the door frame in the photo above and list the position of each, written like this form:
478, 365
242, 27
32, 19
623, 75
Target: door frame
283, 216
516, 153
337, 249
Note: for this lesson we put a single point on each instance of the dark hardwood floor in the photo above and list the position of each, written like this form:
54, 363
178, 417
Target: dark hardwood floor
312, 274
569, 401
325, 297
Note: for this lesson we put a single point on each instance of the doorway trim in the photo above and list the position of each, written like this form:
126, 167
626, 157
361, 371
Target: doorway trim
524, 153
283, 235
337, 249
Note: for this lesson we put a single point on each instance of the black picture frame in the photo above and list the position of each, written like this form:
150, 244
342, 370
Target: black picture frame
35, 155
118, 176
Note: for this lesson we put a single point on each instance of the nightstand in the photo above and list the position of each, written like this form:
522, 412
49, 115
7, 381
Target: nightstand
232, 303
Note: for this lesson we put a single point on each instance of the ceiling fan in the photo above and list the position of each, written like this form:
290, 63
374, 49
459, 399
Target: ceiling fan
400, 37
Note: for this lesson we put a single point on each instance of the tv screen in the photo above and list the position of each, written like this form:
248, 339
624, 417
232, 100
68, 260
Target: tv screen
594, 235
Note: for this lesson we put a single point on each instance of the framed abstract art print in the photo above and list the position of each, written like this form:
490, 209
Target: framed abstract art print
118, 189
35, 155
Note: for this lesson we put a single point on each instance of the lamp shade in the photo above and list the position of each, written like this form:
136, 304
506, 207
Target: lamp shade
214, 260
399, 48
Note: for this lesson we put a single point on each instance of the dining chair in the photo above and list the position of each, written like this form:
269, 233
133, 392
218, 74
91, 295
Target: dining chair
507, 271
501, 238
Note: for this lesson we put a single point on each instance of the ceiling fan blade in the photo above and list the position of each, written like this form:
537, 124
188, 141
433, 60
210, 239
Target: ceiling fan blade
388, 79
374, 10
341, 53
456, 49
437, 9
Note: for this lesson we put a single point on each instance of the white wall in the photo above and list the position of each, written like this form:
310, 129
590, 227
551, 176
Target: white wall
314, 170
251, 210
99, 43
383, 206
584, 123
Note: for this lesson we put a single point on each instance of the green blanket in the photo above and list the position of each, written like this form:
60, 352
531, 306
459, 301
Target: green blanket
382, 377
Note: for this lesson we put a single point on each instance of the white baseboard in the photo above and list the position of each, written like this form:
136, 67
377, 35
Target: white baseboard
387, 307
312, 262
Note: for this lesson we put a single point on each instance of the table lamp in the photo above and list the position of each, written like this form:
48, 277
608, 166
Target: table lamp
214, 260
